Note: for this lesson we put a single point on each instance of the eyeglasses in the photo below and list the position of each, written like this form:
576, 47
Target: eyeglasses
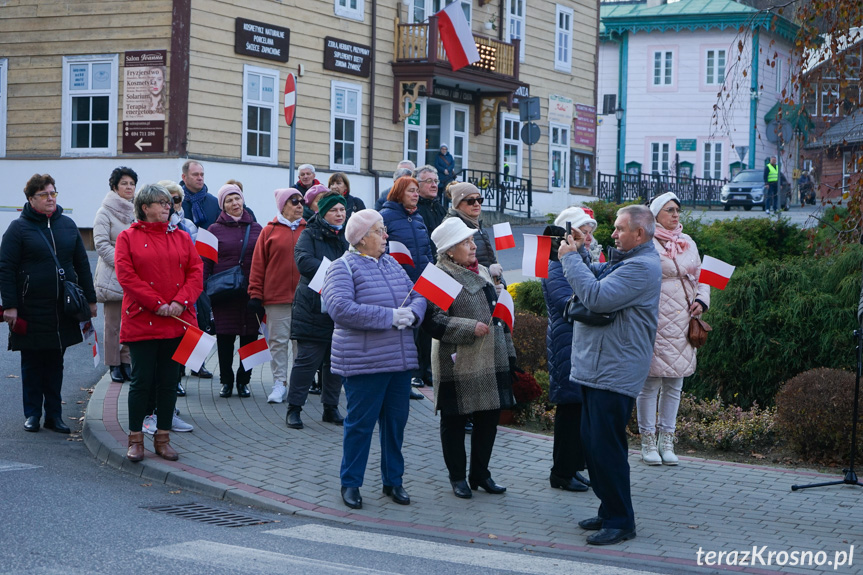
672, 211
296, 201
472, 201
163, 203
43, 195
178, 200
434, 181
380, 232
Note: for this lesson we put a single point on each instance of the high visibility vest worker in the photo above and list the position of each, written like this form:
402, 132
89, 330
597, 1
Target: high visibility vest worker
772, 173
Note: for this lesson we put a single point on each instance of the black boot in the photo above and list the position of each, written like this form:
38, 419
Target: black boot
227, 390
127, 371
292, 419
332, 415
117, 374
243, 390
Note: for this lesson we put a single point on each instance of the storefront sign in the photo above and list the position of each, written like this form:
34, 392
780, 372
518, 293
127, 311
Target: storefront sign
520, 93
451, 94
261, 40
559, 109
584, 125
686, 145
342, 56
143, 137
144, 101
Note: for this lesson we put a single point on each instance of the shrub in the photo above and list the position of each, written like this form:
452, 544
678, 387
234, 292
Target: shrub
833, 222
714, 425
740, 242
528, 337
528, 297
605, 213
775, 320
814, 410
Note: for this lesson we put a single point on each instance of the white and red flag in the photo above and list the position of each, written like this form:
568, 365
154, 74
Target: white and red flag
437, 286
715, 272
503, 238
317, 282
207, 245
401, 253
194, 348
97, 359
255, 353
534, 261
264, 329
505, 309
454, 32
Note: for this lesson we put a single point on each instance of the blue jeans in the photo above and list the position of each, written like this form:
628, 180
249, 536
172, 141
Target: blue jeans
772, 196
383, 398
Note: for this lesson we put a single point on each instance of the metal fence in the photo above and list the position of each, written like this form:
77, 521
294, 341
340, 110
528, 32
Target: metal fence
621, 188
500, 192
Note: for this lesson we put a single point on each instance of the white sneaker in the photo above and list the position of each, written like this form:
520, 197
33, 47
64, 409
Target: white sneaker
279, 393
666, 448
180, 426
149, 426
649, 454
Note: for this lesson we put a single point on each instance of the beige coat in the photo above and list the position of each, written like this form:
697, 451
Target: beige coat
115, 215
673, 356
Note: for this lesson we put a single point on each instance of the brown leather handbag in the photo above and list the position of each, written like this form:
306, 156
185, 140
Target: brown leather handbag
698, 328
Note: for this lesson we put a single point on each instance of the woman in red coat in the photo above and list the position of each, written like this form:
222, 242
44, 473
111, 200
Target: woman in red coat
233, 316
161, 276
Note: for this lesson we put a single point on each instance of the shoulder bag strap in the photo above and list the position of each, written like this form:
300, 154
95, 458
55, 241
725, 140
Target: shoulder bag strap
53, 253
245, 242
680, 277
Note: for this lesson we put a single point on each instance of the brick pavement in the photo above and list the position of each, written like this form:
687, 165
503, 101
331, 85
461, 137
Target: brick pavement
242, 451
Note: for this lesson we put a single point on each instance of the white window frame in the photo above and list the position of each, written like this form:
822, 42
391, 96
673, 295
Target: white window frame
450, 135
504, 118
825, 90
660, 158
514, 20
710, 158
714, 78
666, 71
779, 74
420, 130
358, 127
342, 9
432, 7
563, 147
4, 66
273, 158
563, 39
66, 148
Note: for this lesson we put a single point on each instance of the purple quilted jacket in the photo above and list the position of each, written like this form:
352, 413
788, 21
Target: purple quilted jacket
361, 300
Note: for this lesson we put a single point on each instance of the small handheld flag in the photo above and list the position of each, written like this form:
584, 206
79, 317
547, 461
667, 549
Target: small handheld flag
534, 262
505, 309
503, 238
317, 283
255, 354
715, 272
437, 286
194, 348
207, 245
401, 253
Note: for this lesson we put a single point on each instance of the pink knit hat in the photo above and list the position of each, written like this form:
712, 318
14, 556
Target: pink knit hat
360, 224
226, 191
314, 192
283, 195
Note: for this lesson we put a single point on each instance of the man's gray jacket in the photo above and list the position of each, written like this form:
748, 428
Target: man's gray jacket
616, 356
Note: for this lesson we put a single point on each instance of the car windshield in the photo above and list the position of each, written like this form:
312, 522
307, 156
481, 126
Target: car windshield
748, 176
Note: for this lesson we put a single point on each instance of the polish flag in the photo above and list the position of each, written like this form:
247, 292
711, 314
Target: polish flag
194, 348
715, 272
503, 238
317, 282
437, 286
255, 354
207, 245
401, 253
454, 32
505, 309
97, 359
534, 262
263, 329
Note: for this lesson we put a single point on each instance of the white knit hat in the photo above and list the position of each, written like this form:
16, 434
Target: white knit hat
656, 205
360, 224
574, 216
449, 233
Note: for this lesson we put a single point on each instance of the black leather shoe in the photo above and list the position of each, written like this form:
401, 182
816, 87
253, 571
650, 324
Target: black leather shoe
56, 423
292, 419
203, 373
227, 390
31, 423
416, 394
243, 390
181, 391
417, 382
489, 485
571, 484
460, 489
592, 524
127, 371
332, 415
352, 498
611, 536
117, 374
398, 494
582, 478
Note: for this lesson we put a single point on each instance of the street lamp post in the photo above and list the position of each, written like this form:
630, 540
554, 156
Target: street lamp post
618, 114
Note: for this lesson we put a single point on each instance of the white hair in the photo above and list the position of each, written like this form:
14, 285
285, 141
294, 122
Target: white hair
307, 167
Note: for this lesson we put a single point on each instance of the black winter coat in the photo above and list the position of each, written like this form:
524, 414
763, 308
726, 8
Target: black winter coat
318, 240
409, 229
354, 204
484, 247
29, 280
556, 291
433, 214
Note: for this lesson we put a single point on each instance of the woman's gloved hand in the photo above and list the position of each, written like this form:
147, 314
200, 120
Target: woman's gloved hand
402, 318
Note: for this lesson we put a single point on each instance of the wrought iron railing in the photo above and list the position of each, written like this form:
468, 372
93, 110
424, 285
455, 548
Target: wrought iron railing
621, 188
501, 193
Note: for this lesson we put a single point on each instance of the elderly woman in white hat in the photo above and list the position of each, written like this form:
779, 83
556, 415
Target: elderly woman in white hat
568, 451
472, 355
673, 356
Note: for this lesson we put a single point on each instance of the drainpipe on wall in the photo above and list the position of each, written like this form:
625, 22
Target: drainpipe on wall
753, 97
369, 158
623, 74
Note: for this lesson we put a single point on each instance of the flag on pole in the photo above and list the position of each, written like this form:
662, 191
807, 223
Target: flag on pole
255, 354
503, 238
317, 282
505, 309
207, 245
194, 348
715, 272
534, 261
437, 286
401, 253
454, 32
263, 329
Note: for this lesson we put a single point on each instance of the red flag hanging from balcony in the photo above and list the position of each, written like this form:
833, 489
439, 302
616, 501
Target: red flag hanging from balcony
456, 36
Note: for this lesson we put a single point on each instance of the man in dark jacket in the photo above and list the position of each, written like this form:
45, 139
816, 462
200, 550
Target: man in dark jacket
199, 204
31, 288
431, 210
306, 179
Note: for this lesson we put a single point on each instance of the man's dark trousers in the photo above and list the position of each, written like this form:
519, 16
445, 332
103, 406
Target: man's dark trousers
603, 433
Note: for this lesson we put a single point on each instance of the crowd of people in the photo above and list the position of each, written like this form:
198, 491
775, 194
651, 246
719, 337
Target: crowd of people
366, 330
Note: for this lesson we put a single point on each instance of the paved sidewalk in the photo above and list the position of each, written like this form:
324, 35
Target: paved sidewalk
242, 451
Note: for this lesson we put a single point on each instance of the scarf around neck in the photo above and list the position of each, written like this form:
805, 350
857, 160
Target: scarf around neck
671, 240
197, 202
285, 221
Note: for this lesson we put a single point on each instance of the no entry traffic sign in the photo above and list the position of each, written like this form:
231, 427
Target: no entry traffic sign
290, 98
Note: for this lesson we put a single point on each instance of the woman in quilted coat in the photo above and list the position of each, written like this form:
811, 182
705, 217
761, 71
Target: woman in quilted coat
673, 356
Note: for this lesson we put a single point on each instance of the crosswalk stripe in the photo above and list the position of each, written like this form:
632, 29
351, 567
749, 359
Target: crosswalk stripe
7, 465
251, 560
472, 556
